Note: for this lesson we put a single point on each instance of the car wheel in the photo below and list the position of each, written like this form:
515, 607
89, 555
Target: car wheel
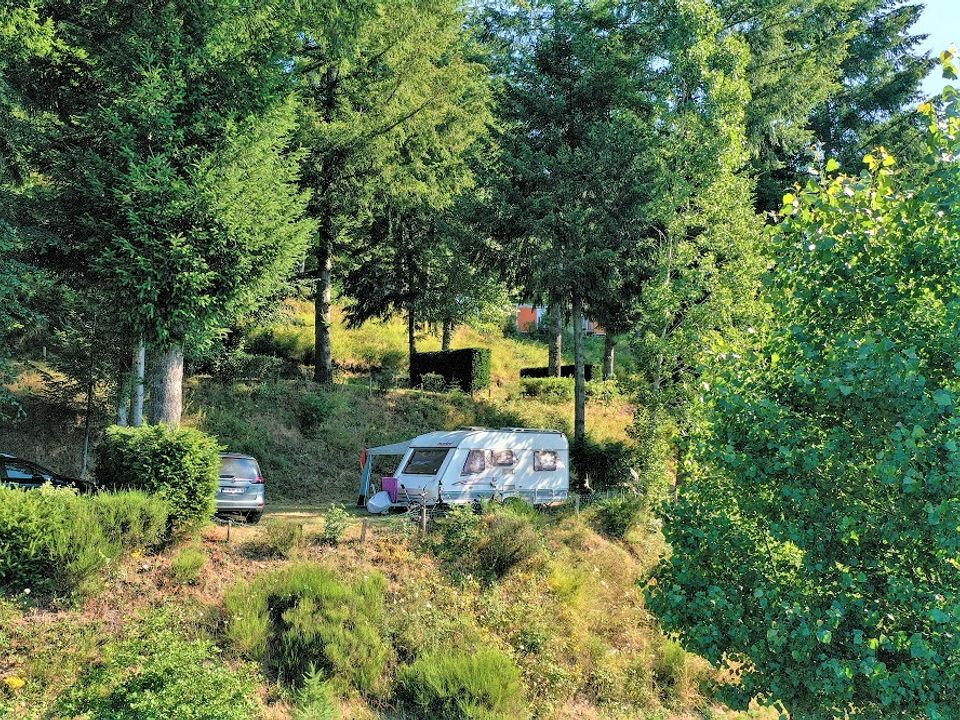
253, 518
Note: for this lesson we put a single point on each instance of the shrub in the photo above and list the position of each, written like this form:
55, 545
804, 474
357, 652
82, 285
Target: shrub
603, 391
55, 542
605, 465
450, 685
468, 368
313, 409
181, 465
278, 539
486, 546
616, 516
251, 366
303, 615
335, 522
186, 564
566, 371
550, 388
132, 519
434, 382
460, 532
316, 699
509, 539
157, 675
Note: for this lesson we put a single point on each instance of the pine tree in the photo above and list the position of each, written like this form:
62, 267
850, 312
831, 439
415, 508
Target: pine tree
618, 118
393, 99
177, 198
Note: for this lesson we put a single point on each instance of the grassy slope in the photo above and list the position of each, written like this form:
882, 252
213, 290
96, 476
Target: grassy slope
572, 616
318, 465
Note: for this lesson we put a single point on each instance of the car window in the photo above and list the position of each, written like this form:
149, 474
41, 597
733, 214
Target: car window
545, 460
240, 468
425, 461
20, 471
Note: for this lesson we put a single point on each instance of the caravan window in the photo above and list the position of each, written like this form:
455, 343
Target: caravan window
476, 462
425, 461
504, 458
545, 460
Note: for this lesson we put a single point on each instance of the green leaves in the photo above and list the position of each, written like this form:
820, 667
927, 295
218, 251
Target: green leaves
826, 484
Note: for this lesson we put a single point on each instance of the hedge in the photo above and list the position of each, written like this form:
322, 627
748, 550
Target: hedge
468, 368
181, 465
567, 371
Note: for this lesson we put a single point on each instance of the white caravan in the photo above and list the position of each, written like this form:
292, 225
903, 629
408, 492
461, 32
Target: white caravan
461, 466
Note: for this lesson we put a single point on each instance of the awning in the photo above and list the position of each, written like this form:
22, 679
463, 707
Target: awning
396, 449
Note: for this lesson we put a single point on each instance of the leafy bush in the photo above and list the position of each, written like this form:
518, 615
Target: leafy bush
237, 365
604, 465
469, 369
603, 391
303, 615
616, 516
181, 465
551, 388
488, 545
433, 382
316, 699
459, 534
55, 542
186, 564
158, 675
451, 685
566, 371
335, 523
313, 409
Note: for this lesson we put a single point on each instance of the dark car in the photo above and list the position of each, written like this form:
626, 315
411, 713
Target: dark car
26, 475
241, 488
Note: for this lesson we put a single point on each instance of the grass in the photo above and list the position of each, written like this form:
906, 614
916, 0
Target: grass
571, 617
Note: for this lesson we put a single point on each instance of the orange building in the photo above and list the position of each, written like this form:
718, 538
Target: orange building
529, 318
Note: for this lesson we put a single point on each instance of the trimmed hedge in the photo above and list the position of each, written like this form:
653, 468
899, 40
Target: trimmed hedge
181, 465
468, 368
566, 371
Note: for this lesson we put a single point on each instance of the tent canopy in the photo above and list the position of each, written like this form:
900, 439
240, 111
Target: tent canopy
396, 449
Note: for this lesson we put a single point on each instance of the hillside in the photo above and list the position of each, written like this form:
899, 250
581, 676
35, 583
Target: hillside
566, 607
308, 438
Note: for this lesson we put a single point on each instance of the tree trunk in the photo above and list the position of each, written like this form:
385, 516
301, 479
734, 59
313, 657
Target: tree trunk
447, 334
609, 347
411, 331
322, 346
166, 387
323, 354
86, 418
139, 371
579, 385
555, 342
123, 400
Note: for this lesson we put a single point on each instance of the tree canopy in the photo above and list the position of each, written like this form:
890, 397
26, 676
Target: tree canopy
816, 540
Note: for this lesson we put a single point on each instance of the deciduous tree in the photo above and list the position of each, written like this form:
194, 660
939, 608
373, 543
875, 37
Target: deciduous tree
816, 542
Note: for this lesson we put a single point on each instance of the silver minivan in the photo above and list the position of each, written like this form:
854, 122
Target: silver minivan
241, 488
